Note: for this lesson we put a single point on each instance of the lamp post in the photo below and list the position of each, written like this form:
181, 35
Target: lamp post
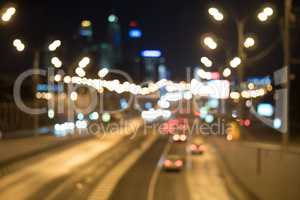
244, 42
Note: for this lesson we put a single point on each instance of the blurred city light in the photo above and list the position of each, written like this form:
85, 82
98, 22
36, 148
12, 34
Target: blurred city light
151, 53
94, 116
235, 95
216, 14
226, 72
210, 43
249, 42
80, 72
106, 117
67, 79
112, 18
73, 96
51, 113
86, 23
268, 11
80, 116
265, 109
209, 118
54, 45
19, 45
277, 123
265, 14
56, 62
57, 77
81, 124
206, 61
84, 62
135, 33
7, 15
235, 62
103, 72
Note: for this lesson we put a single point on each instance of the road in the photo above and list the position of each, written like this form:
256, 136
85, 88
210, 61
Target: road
147, 173
74, 172
68, 172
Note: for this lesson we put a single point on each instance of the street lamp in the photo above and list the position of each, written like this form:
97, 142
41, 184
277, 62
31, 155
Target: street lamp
249, 42
103, 72
265, 14
54, 45
216, 14
56, 62
210, 42
84, 62
206, 61
235, 62
19, 45
8, 14
80, 72
227, 72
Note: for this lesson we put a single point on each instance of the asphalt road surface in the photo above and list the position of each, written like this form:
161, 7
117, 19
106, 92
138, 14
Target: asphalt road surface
135, 185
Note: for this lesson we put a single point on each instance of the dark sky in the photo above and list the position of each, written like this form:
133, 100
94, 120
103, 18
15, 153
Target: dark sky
173, 26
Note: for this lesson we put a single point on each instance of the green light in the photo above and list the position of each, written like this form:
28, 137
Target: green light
106, 117
112, 18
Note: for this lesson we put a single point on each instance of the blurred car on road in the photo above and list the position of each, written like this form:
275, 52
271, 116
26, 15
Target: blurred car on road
179, 137
196, 148
173, 163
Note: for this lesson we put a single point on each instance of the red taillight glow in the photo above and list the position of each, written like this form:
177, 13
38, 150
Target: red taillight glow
247, 122
178, 163
183, 137
193, 147
167, 163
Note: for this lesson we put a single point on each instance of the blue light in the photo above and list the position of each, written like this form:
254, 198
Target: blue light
151, 53
213, 103
265, 109
148, 105
94, 116
277, 123
209, 119
80, 116
123, 103
135, 33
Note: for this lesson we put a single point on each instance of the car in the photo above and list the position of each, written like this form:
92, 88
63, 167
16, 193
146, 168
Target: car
195, 148
173, 163
179, 137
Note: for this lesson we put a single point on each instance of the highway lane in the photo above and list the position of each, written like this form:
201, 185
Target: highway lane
168, 185
173, 185
135, 184
67, 173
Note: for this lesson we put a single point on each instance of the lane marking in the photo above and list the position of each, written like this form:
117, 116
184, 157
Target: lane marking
154, 177
105, 187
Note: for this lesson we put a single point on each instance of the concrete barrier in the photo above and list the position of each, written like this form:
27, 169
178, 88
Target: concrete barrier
266, 170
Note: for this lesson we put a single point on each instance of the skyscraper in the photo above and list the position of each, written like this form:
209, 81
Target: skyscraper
115, 40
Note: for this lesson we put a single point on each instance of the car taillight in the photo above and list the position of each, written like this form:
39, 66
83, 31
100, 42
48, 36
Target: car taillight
193, 147
201, 148
178, 163
247, 122
183, 137
176, 137
167, 163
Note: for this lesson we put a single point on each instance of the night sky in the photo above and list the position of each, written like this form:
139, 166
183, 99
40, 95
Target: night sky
175, 27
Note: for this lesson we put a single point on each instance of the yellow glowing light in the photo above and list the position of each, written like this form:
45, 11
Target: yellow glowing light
227, 72
86, 23
251, 86
269, 88
249, 42
74, 96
